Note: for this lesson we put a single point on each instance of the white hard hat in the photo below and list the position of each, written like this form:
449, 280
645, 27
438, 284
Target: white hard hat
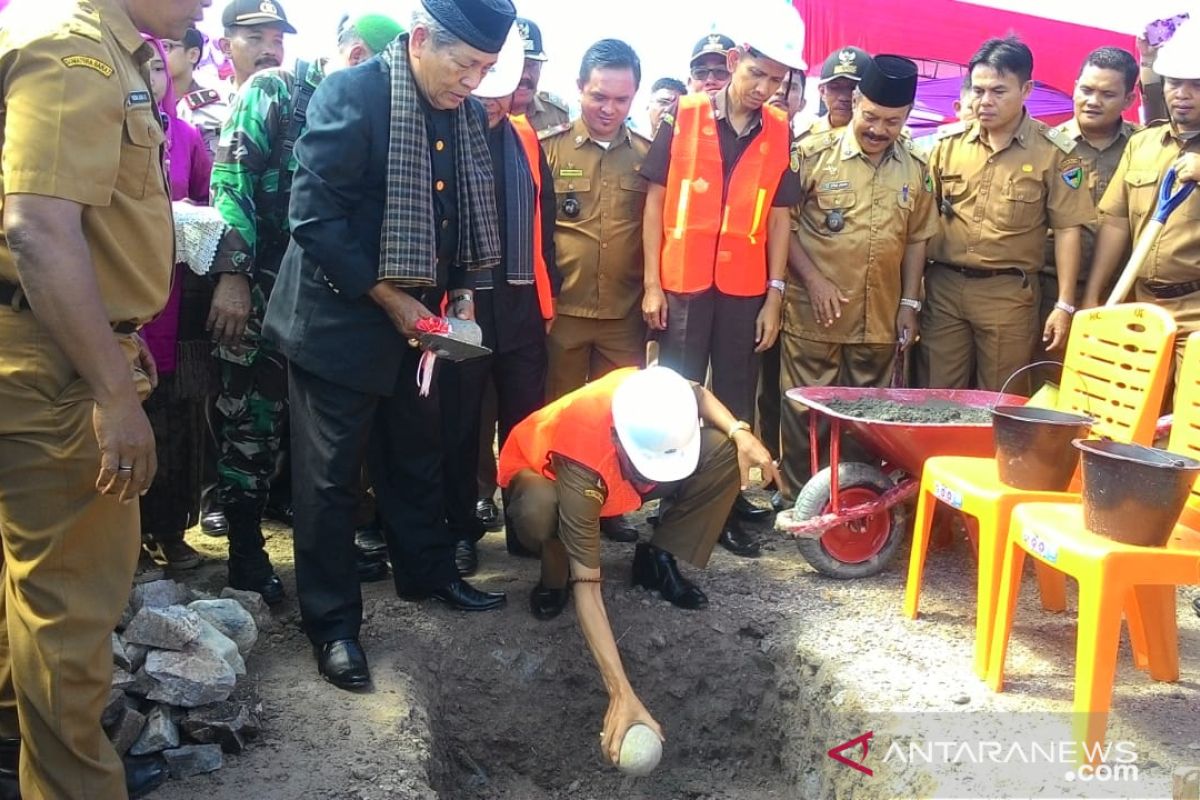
658, 424
1179, 58
502, 79
773, 28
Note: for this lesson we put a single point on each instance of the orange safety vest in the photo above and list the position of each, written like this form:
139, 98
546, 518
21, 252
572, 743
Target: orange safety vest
578, 426
713, 233
533, 154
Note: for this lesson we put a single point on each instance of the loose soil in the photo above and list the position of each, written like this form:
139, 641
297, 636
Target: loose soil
752, 692
928, 411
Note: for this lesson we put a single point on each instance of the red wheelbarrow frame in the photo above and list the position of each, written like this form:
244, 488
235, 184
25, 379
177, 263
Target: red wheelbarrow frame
900, 445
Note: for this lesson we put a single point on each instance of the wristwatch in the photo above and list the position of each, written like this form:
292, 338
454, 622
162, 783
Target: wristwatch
740, 425
908, 302
779, 285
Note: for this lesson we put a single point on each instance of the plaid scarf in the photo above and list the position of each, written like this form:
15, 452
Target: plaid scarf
518, 206
408, 245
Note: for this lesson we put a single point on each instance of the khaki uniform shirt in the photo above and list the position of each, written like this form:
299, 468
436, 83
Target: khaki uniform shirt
1000, 204
1100, 166
599, 249
882, 209
545, 113
80, 124
1133, 194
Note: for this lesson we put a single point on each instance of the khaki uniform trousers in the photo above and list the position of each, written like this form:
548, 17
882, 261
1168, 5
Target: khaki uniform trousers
69, 558
693, 511
1186, 311
808, 363
581, 349
976, 332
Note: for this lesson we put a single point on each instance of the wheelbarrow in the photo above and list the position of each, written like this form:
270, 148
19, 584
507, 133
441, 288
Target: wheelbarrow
852, 526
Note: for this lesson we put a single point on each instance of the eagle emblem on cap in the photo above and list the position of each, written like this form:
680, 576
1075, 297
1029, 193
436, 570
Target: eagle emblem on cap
523, 30
714, 39
846, 57
267, 7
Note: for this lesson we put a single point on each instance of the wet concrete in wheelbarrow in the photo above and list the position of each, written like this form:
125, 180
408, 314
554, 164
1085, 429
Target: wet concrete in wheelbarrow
926, 411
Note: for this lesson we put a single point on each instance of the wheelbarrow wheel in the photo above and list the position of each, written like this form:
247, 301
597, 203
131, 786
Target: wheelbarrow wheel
857, 549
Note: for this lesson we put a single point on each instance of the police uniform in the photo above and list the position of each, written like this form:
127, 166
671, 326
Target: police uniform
1170, 276
855, 222
206, 110
598, 243
980, 314
80, 125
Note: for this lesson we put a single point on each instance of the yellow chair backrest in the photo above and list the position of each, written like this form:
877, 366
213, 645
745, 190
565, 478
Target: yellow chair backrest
1185, 427
1116, 369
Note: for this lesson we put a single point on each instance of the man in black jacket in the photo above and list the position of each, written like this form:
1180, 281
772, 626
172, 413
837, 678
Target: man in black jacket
383, 223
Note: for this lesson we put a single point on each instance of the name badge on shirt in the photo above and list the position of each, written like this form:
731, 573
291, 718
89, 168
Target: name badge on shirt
138, 98
570, 173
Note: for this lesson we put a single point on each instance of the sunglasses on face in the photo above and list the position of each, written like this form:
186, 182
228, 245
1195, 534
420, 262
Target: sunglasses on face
703, 73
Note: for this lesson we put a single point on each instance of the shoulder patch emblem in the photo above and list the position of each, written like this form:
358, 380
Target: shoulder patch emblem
929, 182
1064, 143
87, 62
1073, 176
554, 131
795, 160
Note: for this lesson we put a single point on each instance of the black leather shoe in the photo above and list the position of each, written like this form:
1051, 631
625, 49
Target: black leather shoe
282, 514
488, 514
466, 558
144, 775
370, 542
749, 511
213, 523
344, 664
371, 570
460, 595
738, 541
547, 603
270, 587
656, 570
777, 501
618, 529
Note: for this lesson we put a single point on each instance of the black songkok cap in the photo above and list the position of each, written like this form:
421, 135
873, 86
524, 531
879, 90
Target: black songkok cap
483, 24
890, 81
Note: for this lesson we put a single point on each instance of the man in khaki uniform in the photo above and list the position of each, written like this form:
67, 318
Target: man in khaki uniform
598, 233
543, 111
1000, 184
1106, 87
85, 258
1170, 275
858, 251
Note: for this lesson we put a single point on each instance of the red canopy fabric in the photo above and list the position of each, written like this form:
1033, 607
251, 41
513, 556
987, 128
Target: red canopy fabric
948, 30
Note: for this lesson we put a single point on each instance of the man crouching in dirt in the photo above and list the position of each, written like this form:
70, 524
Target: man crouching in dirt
631, 436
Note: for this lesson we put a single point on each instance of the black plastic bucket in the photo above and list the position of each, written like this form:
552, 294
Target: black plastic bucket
1134, 494
1033, 446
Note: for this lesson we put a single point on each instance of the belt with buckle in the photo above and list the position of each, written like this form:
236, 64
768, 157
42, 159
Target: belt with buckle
1167, 291
13, 296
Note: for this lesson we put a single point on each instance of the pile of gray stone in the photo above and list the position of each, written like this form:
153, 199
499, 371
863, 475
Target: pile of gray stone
177, 658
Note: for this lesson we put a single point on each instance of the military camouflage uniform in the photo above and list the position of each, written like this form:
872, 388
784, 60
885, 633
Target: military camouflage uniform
247, 190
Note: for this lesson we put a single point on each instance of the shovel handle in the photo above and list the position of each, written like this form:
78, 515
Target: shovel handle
1169, 199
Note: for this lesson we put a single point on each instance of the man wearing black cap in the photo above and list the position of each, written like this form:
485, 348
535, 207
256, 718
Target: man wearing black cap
543, 111
857, 251
840, 74
393, 204
253, 40
708, 71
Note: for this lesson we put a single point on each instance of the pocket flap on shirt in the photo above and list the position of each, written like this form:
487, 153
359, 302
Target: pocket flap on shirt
1141, 177
634, 183
827, 201
143, 130
566, 185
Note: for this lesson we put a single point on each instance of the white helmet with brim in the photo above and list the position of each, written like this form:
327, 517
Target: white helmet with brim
658, 424
1179, 57
773, 28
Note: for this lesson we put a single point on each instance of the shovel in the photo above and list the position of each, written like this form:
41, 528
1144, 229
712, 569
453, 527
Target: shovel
1169, 199
1167, 203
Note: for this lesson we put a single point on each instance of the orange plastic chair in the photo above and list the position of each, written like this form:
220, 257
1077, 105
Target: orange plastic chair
1113, 578
1116, 370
